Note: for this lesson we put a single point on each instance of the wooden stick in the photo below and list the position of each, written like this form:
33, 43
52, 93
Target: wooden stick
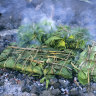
75, 66
61, 65
88, 77
14, 47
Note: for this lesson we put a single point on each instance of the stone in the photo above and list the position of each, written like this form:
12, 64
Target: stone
84, 89
74, 92
34, 89
56, 85
1, 90
89, 94
22, 83
11, 76
19, 76
1, 83
81, 93
55, 92
1, 72
32, 94
27, 81
8, 37
93, 86
25, 94
13, 81
64, 83
31, 78
46, 93
25, 89
30, 83
8, 95
53, 81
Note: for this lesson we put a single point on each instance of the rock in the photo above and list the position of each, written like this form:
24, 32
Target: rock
56, 85
1, 83
25, 94
84, 89
31, 78
53, 81
81, 93
46, 93
74, 92
1, 90
8, 95
1, 71
11, 76
55, 92
27, 80
13, 81
25, 89
64, 83
8, 37
22, 83
19, 76
89, 94
32, 94
34, 89
93, 86
30, 83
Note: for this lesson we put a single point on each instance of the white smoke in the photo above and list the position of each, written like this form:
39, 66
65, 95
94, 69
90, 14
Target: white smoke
88, 20
48, 24
61, 12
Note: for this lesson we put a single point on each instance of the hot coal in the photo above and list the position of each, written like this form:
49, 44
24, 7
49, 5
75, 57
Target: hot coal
12, 84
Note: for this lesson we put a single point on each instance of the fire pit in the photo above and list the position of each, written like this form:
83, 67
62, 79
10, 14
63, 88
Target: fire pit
47, 48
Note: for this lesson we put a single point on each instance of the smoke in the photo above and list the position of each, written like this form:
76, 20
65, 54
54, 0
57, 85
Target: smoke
64, 16
49, 9
52, 12
88, 20
48, 24
67, 12
31, 15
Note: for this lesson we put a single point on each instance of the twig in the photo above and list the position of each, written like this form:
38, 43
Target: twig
75, 66
23, 48
61, 65
88, 77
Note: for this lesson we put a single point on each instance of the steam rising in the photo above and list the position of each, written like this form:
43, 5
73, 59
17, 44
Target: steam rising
88, 20
67, 12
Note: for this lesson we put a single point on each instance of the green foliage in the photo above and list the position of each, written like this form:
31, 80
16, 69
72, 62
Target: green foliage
83, 77
9, 63
40, 62
5, 54
56, 37
61, 44
63, 37
87, 65
65, 73
46, 79
29, 35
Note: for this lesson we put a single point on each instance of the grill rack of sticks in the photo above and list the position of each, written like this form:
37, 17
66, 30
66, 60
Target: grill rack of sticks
40, 61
